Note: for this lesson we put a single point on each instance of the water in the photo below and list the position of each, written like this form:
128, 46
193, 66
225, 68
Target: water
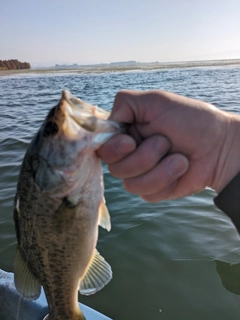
173, 260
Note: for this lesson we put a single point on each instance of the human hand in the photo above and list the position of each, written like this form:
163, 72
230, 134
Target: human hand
175, 145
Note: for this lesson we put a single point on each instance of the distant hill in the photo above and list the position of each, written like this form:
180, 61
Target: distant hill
119, 64
134, 65
13, 64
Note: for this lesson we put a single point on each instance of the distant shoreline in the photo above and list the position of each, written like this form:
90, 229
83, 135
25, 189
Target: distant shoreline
137, 67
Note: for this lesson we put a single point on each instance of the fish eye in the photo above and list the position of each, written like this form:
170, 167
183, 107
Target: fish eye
51, 128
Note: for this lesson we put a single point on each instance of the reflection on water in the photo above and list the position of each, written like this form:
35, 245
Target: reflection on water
167, 257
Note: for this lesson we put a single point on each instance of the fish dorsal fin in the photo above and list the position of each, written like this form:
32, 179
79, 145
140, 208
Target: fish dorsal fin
104, 217
25, 282
97, 276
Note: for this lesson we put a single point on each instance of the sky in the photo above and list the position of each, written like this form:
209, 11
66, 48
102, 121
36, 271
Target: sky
47, 32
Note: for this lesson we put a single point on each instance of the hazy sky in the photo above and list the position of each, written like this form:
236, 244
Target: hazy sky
92, 31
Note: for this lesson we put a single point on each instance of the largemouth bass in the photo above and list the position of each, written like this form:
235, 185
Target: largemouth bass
58, 206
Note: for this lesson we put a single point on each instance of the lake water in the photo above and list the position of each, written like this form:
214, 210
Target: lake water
176, 260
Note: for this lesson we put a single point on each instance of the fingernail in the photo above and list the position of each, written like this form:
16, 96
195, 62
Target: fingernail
125, 145
177, 165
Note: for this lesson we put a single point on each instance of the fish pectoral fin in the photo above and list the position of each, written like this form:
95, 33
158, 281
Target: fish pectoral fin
98, 275
104, 217
25, 281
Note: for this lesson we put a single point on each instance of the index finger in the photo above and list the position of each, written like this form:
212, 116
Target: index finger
116, 148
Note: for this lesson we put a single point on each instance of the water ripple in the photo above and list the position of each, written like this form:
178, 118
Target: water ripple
154, 249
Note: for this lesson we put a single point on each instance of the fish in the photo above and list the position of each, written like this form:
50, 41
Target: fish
59, 205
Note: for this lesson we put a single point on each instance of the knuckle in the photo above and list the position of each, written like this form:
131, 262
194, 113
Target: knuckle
120, 95
160, 145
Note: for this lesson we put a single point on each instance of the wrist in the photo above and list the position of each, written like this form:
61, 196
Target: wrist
229, 159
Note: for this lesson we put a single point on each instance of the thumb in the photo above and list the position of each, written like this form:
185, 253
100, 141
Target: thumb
125, 106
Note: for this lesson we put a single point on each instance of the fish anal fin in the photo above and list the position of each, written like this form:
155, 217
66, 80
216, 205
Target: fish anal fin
97, 276
104, 217
25, 281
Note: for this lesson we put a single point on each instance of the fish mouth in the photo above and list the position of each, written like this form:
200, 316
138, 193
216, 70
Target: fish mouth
72, 132
91, 118
84, 108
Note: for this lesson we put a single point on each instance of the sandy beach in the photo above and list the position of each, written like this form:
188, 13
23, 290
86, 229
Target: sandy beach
138, 66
